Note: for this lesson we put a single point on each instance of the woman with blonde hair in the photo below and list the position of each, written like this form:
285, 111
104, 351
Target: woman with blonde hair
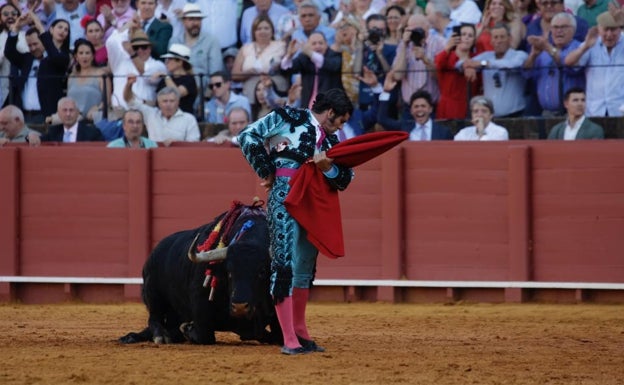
349, 45
499, 11
262, 56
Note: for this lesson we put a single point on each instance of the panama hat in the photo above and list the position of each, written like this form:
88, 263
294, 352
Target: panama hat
192, 11
139, 37
178, 51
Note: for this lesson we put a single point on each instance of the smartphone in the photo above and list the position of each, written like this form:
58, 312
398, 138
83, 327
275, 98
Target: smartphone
457, 30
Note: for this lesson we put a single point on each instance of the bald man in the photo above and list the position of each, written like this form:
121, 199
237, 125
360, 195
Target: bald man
14, 130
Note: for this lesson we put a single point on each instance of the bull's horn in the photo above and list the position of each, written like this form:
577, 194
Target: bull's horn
205, 256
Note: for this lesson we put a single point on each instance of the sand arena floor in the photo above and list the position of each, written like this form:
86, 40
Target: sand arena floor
367, 343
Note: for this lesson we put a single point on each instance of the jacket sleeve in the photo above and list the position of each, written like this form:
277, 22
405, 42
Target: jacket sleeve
345, 175
252, 140
387, 122
57, 58
10, 51
160, 40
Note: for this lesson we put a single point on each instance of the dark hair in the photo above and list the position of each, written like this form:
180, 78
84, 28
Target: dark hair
257, 22
31, 31
92, 21
375, 16
421, 94
65, 44
397, 8
19, 13
336, 99
474, 29
573, 90
77, 45
223, 74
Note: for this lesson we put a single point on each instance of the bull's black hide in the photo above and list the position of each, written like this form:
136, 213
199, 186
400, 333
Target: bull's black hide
179, 306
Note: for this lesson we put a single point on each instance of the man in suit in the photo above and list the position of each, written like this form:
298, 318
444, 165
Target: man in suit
159, 32
320, 67
71, 131
422, 127
576, 126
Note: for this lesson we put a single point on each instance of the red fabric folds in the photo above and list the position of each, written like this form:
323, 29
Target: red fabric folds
316, 206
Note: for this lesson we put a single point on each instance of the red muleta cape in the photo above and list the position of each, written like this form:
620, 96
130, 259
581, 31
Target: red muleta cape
315, 205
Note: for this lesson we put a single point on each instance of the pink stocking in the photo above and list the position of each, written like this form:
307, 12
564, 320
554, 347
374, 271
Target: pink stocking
300, 301
284, 311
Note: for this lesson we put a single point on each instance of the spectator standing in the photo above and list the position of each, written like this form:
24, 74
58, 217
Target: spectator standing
265, 7
129, 54
180, 76
85, 83
439, 15
133, 125
395, 17
376, 56
114, 16
590, 9
545, 64
262, 56
499, 11
157, 31
72, 11
9, 14
503, 80
540, 26
482, 111
602, 55
71, 130
414, 64
221, 20
465, 11
350, 47
95, 34
576, 126
223, 99
310, 21
319, 66
206, 55
455, 88
14, 130
166, 122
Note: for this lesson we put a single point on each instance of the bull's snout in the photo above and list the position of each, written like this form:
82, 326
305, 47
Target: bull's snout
241, 310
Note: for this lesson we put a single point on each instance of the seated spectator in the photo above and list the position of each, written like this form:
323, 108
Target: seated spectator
237, 120
319, 66
114, 16
40, 79
180, 75
499, 11
85, 83
261, 7
165, 123
223, 99
482, 111
158, 32
310, 21
130, 54
502, 73
70, 130
421, 127
132, 122
454, 86
262, 56
13, 129
590, 9
72, 11
576, 126
229, 56
603, 47
545, 64
94, 33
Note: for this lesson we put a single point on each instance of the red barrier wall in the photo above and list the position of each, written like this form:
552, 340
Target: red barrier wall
509, 211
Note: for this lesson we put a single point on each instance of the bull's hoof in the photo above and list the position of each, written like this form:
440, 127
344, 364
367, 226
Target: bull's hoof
294, 351
310, 345
159, 340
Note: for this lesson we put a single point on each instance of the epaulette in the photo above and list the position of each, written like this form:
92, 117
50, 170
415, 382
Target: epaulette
295, 116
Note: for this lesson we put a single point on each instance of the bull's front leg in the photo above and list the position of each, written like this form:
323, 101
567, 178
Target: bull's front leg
198, 335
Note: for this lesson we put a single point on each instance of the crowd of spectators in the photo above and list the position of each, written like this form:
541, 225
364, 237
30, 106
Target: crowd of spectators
175, 67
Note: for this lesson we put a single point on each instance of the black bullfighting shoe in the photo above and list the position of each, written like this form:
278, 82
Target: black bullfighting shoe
310, 346
294, 351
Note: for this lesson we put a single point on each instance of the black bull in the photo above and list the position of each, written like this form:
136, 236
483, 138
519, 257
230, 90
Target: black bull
236, 297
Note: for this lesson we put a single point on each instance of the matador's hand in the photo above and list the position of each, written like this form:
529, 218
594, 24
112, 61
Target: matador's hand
322, 161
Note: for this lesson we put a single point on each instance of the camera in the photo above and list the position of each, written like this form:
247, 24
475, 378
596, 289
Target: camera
417, 36
375, 35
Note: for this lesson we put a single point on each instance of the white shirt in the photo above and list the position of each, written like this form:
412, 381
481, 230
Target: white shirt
122, 66
416, 133
181, 127
467, 12
492, 132
30, 96
570, 132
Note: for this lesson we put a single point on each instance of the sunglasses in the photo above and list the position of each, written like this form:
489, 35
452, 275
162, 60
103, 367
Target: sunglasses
7, 14
215, 85
142, 46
